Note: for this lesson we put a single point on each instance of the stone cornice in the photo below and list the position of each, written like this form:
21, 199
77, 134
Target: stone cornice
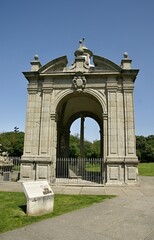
131, 73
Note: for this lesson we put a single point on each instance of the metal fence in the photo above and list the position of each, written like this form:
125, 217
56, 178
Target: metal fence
10, 171
79, 171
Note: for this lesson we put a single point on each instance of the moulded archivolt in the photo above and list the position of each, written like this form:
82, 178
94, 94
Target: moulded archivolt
99, 96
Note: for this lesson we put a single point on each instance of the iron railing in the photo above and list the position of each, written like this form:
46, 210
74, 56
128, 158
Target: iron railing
79, 170
68, 171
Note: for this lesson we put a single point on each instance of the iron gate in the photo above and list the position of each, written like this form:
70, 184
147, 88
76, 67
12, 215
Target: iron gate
79, 171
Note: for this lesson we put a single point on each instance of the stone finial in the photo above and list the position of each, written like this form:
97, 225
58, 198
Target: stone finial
82, 57
35, 64
125, 55
126, 62
36, 57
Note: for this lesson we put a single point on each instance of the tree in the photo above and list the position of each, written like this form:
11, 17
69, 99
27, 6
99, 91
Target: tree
91, 150
74, 148
96, 149
145, 148
12, 143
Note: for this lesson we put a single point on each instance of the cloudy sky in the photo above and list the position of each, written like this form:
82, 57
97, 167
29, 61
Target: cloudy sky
53, 28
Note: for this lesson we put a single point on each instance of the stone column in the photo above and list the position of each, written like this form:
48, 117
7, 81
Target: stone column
81, 162
82, 137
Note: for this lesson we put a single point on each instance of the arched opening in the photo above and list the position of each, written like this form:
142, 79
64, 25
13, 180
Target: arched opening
72, 107
80, 156
84, 138
85, 155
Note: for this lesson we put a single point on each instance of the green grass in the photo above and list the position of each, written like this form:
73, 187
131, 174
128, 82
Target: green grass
13, 206
93, 167
146, 169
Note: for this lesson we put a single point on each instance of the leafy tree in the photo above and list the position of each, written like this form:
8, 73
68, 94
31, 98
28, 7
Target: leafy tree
145, 148
74, 148
12, 143
88, 151
96, 149
91, 150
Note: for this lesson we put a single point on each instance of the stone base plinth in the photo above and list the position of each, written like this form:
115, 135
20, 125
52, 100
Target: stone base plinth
36, 168
121, 171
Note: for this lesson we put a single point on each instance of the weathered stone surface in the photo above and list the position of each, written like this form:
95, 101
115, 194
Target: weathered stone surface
57, 95
40, 197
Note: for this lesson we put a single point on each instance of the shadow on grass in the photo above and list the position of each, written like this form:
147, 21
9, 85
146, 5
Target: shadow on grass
23, 208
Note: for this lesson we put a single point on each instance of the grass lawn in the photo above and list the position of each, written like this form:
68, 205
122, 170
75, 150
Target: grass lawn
146, 169
13, 206
93, 167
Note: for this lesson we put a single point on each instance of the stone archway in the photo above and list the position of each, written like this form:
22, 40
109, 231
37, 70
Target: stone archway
57, 94
70, 108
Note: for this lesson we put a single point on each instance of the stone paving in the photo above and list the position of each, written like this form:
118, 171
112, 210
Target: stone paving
129, 216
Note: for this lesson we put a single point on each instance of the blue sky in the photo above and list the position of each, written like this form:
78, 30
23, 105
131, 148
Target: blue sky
53, 28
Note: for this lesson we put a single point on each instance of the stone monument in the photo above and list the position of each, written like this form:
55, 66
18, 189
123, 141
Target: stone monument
6, 165
94, 87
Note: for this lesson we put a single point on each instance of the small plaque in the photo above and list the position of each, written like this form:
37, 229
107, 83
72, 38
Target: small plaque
36, 189
40, 197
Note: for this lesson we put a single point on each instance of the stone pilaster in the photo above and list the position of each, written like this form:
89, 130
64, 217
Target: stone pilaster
105, 146
45, 123
129, 122
32, 131
53, 144
120, 124
112, 117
